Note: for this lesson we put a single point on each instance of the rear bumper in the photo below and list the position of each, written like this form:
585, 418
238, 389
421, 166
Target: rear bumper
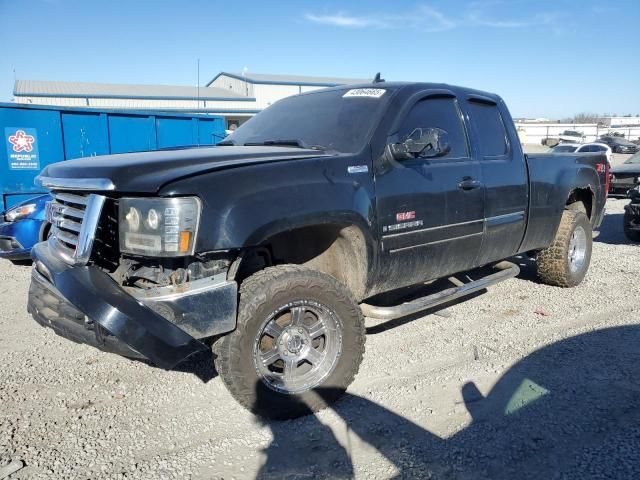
86, 305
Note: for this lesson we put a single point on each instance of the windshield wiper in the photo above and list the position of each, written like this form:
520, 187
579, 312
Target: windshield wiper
285, 143
227, 143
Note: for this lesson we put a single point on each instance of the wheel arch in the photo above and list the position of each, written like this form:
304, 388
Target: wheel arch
582, 197
45, 228
341, 248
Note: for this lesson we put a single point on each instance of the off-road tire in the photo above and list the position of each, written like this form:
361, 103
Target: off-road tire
260, 295
633, 235
552, 262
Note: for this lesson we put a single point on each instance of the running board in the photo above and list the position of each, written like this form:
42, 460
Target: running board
505, 271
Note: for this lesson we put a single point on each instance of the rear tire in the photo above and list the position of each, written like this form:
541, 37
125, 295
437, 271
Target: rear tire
633, 235
566, 261
310, 324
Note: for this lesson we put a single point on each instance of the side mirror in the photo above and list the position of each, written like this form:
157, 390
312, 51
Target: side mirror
424, 143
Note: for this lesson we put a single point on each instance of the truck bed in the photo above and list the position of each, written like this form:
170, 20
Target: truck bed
552, 178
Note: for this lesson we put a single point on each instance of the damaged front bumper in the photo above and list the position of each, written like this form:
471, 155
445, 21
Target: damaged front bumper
163, 325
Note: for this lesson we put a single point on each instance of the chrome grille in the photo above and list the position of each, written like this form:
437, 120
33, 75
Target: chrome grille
74, 218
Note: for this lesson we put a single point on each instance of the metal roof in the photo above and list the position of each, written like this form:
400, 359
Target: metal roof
43, 88
163, 112
281, 79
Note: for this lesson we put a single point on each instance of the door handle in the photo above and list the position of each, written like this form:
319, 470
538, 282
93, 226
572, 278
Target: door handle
468, 183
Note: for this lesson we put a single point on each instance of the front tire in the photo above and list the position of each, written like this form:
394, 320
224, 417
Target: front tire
629, 221
566, 261
298, 344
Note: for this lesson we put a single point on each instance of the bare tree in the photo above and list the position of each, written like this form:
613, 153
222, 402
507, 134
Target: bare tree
586, 117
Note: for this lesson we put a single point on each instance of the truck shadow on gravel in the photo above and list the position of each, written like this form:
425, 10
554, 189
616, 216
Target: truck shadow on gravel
612, 230
201, 365
568, 410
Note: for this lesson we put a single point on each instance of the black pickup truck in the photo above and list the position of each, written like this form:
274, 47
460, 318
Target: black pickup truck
270, 248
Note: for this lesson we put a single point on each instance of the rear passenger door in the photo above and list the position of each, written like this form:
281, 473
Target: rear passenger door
504, 175
430, 210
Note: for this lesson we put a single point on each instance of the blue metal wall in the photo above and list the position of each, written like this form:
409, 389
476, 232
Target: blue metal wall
55, 133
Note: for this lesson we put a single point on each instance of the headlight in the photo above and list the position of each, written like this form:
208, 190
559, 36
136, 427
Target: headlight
16, 213
159, 227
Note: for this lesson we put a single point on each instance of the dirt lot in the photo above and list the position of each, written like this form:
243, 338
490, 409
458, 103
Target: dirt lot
524, 381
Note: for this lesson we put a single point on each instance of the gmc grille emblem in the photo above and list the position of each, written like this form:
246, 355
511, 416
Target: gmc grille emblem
54, 213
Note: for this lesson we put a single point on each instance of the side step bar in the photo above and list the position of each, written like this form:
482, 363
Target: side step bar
505, 271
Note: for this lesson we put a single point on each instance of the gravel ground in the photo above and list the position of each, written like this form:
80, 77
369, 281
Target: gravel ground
524, 381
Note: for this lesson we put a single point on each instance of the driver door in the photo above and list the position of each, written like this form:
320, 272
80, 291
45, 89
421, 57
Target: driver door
430, 210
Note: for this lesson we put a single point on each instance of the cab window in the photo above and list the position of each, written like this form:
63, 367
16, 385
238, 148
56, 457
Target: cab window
487, 122
442, 113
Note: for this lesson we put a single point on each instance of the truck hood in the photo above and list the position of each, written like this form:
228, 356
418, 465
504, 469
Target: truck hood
147, 172
626, 168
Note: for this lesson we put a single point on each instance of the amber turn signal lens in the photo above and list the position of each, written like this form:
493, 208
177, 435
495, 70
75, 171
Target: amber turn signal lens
185, 241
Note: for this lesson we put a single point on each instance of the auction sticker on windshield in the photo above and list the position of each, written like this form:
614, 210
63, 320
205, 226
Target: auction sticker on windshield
365, 92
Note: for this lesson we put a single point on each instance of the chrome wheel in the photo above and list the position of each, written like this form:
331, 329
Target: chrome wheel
577, 251
298, 346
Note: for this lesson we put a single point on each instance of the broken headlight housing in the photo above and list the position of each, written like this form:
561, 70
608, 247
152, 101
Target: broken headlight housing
159, 227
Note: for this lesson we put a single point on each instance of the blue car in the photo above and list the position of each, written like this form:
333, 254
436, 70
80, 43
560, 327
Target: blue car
22, 226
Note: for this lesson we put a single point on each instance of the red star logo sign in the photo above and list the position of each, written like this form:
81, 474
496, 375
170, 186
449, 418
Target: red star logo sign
22, 142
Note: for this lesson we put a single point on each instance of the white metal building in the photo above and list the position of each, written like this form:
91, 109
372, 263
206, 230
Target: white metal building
620, 121
234, 96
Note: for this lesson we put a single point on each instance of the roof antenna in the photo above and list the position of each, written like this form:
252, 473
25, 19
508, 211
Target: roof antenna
378, 79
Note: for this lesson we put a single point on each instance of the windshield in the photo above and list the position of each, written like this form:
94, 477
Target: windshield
564, 149
339, 120
635, 158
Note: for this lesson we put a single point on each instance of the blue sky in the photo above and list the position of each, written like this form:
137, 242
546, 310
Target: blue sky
546, 58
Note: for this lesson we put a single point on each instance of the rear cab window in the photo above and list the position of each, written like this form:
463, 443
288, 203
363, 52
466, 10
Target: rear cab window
487, 122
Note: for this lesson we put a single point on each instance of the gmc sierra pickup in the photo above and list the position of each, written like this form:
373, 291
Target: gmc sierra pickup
270, 248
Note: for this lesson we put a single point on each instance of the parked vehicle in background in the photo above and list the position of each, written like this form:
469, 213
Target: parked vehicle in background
550, 142
274, 245
571, 136
568, 136
619, 144
22, 226
583, 148
632, 216
626, 176
565, 148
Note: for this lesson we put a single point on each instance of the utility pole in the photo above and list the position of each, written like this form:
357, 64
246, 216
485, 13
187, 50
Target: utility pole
198, 104
246, 86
